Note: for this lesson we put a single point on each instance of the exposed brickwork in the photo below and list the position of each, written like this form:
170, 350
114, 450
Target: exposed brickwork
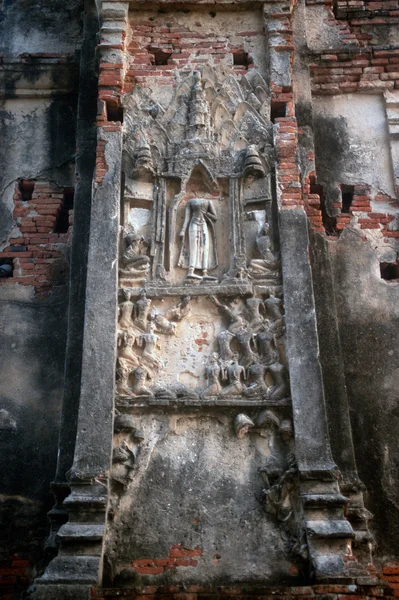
157, 49
101, 165
178, 557
175, 46
359, 21
390, 573
366, 62
15, 576
35, 253
360, 212
278, 23
243, 592
367, 71
287, 171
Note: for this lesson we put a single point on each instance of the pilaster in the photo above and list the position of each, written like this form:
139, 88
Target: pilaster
79, 560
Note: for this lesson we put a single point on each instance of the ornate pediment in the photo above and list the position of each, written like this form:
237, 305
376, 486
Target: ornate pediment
212, 115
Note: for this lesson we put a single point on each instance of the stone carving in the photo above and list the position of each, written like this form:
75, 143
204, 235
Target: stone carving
242, 425
234, 372
162, 324
212, 108
269, 264
141, 375
267, 417
212, 372
224, 340
199, 118
134, 263
214, 137
273, 306
139, 342
126, 312
200, 251
123, 462
181, 311
150, 341
265, 338
245, 338
127, 361
256, 320
279, 475
253, 164
235, 321
279, 484
281, 387
166, 322
256, 330
123, 423
144, 164
256, 375
214, 128
142, 310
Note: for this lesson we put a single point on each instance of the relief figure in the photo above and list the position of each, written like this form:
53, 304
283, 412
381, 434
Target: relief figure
281, 387
133, 262
268, 353
199, 250
141, 311
254, 305
224, 339
126, 311
256, 374
236, 322
245, 339
268, 265
127, 361
181, 311
234, 374
150, 341
126, 353
162, 324
141, 375
212, 373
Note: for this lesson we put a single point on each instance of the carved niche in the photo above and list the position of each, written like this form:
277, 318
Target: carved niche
197, 173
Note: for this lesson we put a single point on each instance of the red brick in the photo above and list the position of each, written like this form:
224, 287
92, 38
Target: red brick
149, 570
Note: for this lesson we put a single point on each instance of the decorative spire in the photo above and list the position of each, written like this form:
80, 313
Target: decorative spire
199, 121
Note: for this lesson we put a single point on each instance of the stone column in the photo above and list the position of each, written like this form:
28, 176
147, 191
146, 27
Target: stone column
78, 564
329, 534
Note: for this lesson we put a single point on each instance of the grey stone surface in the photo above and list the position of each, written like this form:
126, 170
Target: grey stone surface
367, 309
311, 435
207, 489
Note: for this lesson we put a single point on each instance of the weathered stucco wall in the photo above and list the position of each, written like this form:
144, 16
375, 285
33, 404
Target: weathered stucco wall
180, 480
47, 27
38, 123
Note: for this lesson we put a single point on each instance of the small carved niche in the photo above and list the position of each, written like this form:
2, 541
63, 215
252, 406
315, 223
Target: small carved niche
26, 187
114, 113
347, 192
62, 224
159, 56
390, 271
200, 186
6, 268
